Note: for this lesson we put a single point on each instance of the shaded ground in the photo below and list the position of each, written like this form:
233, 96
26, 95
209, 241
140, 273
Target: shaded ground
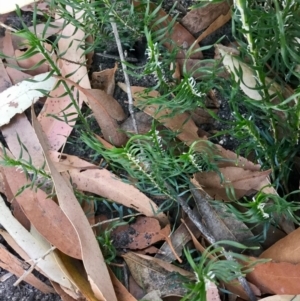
25, 292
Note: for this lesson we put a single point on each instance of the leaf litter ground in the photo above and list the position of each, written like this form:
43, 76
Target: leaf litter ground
78, 148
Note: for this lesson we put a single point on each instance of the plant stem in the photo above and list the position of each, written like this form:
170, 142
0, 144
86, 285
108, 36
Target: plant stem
126, 77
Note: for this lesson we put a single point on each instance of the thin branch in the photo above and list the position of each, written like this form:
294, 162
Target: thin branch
115, 219
124, 67
35, 262
7, 27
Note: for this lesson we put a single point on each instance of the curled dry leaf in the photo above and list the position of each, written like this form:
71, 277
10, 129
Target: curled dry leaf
247, 78
76, 270
105, 80
200, 18
107, 112
92, 257
32, 61
141, 234
17, 267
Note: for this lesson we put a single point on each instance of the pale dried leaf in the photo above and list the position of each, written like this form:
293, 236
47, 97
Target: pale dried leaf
72, 62
32, 246
92, 257
8, 6
282, 298
42, 211
212, 293
20, 97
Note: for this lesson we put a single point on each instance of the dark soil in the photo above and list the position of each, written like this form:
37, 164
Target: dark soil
25, 292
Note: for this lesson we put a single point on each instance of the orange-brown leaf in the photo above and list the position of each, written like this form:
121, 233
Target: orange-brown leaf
286, 249
276, 278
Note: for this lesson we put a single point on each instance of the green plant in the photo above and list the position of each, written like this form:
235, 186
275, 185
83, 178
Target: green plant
213, 267
154, 162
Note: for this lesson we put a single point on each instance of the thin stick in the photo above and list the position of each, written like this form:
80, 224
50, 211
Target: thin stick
115, 219
35, 262
124, 67
7, 27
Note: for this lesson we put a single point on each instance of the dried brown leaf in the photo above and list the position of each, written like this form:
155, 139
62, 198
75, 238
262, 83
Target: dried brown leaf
276, 278
107, 112
64, 296
156, 274
92, 257
72, 62
188, 131
221, 224
243, 181
105, 80
219, 22
179, 35
120, 290
106, 184
145, 232
30, 62
286, 249
200, 18
179, 238
42, 212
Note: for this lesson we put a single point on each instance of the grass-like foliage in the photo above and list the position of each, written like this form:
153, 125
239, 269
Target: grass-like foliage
269, 36
268, 129
211, 266
156, 159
